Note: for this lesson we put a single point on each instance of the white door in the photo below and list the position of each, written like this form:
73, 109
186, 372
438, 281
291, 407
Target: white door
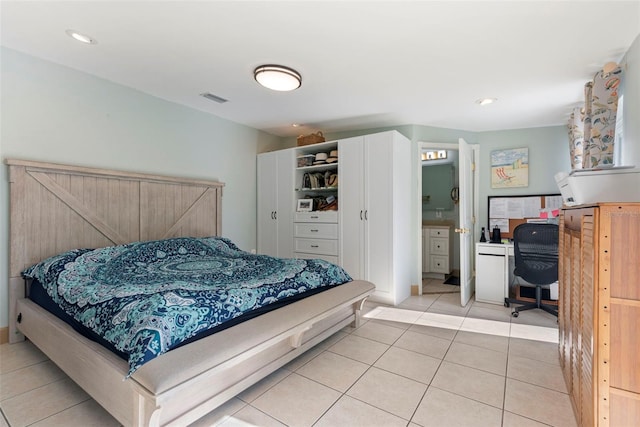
285, 204
275, 203
351, 206
378, 209
466, 229
267, 201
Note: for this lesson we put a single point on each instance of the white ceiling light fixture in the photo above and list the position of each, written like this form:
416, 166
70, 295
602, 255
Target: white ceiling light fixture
81, 37
277, 77
486, 101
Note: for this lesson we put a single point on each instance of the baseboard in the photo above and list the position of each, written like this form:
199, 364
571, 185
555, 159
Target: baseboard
414, 290
4, 335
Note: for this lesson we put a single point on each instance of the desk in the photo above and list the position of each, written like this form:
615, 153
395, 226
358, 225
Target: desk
494, 267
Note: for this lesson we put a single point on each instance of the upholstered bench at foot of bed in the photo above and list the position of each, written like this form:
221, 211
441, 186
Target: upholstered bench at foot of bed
184, 384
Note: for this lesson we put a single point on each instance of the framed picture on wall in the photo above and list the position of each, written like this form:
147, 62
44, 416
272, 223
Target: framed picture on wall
305, 205
510, 168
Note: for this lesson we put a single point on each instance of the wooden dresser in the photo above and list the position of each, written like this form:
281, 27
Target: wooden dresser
599, 311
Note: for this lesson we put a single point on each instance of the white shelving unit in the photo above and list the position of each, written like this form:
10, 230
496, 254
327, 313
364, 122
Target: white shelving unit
369, 234
316, 233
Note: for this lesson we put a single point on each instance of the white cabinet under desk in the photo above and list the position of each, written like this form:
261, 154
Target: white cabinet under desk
494, 267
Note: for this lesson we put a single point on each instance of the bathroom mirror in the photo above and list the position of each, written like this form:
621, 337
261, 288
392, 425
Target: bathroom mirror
437, 182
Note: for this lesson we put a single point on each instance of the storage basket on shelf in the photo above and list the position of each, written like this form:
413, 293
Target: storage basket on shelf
312, 138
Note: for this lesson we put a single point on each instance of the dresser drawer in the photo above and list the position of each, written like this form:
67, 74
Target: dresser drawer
322, 216
316, 246
315, 230
439, 232
332, 259
440, 264
439, 246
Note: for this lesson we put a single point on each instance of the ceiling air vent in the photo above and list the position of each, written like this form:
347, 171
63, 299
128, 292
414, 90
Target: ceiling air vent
213, 98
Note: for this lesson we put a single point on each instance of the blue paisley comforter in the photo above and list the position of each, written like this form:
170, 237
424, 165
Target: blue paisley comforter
146, 298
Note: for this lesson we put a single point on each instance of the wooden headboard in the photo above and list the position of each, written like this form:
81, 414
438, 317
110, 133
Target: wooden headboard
54, 208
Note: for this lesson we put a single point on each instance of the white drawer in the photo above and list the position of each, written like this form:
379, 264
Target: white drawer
439, 232
315, 230
316, 246
440, 264
491, 249
439, 246
331, 259
328, 216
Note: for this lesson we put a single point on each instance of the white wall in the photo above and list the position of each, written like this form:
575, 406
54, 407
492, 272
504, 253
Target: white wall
630, 154
56, 114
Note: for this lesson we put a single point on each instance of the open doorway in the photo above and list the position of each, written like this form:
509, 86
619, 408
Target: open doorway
445, 244
439, 218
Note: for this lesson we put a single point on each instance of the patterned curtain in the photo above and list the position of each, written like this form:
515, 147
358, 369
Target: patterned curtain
576, 137
601, 107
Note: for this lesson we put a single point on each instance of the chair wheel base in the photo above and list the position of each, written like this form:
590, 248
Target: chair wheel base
515, 314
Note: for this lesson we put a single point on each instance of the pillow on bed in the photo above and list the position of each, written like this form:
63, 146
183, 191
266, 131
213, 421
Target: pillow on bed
47, 271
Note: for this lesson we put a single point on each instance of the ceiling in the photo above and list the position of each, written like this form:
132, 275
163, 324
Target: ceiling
364, 64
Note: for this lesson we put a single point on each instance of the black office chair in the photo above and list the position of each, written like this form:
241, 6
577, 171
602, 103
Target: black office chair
536, 260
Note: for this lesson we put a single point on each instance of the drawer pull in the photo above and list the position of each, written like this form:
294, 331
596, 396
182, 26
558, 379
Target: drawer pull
314, 246
313, 231
314, 216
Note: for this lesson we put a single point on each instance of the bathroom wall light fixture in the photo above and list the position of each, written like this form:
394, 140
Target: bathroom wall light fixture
277, 77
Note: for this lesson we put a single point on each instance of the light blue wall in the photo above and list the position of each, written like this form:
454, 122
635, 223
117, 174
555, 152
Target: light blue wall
548, 154
56, 114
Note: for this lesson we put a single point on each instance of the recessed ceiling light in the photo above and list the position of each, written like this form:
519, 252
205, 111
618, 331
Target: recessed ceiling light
486, 101
81, 37
295, 125
277, 77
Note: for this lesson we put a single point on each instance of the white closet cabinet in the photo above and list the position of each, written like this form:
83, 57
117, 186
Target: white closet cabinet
375, 212
275, 203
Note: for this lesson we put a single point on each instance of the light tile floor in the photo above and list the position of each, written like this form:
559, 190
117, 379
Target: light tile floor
427, 362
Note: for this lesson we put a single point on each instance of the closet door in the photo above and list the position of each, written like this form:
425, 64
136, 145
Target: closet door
275, 203
378, 209
351, 206
267, 204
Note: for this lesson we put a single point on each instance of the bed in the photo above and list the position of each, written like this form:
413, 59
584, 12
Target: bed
57, 208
